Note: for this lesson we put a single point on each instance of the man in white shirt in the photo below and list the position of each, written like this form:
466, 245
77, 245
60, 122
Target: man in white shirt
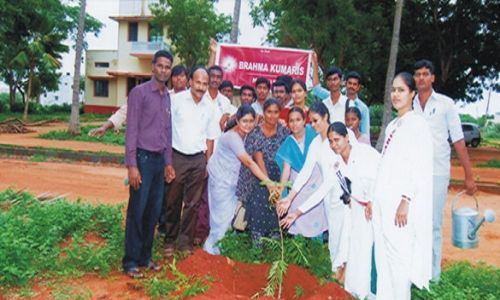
194, 130
223, 110
335, 102
262, 87
443, 119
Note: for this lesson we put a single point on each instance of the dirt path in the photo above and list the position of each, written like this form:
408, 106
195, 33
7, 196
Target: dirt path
93, 183
32, 140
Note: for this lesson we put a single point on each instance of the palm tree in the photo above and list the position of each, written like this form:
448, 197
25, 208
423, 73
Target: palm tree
391, 69
41, 52
236, 21
74, 122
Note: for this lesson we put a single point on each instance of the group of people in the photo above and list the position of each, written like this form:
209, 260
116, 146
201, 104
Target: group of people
192, 155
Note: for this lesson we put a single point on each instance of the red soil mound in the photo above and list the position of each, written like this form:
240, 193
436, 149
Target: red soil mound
236, 280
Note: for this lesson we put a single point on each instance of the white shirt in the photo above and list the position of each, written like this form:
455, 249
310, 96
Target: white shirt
337, 111
119, 117
222, 106
258, 109
321, 154
192, 124
443, 119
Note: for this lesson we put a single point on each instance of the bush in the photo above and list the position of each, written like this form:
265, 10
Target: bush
464, 281
310, 254
481, 121
492, 131
109, 138
49, 238
376, 114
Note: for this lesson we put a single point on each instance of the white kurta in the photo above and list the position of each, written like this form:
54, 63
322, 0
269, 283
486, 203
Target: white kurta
330, 191
361, 169
404, 255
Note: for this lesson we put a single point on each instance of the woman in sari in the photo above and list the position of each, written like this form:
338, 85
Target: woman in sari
223, 168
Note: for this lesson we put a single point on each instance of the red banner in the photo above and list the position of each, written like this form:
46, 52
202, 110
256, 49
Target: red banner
244, 64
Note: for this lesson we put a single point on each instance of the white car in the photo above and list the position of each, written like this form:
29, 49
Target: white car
472, 136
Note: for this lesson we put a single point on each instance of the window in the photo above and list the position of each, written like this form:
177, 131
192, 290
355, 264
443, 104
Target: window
101, 64
155, 33
467, 127
132, 82
101, 88
133, 29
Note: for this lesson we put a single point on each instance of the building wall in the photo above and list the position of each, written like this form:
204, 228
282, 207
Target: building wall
100, 73
64, 93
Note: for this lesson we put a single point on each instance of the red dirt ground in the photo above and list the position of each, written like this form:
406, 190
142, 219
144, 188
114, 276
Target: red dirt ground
234, 280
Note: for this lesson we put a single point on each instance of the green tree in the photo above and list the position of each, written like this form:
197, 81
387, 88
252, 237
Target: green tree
461, 37
191, 24
353, 35
33, 34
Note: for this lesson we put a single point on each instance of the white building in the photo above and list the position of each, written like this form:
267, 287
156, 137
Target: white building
64, 93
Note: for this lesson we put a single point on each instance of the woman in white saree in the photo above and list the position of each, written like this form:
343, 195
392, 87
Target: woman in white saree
402, 207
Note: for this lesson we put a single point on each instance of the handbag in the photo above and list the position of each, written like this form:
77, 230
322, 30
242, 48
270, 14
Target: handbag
239, 220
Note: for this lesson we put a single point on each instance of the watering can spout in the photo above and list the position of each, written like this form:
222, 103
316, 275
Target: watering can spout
489, 216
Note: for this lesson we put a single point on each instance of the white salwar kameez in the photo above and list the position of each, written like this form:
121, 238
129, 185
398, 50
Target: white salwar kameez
361, 169
337, 213
404, 255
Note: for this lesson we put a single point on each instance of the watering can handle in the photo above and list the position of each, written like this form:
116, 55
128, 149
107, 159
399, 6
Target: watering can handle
458, 195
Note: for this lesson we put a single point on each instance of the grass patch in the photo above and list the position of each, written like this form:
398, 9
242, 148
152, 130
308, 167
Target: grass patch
462, 280
109, 138
52, 238
181, 287
310, 254
60, 116
492, 163
39, 158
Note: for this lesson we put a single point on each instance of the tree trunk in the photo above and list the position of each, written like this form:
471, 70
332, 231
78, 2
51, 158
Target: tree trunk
74, 122
391, 69
12, 95
27, 95
236, 21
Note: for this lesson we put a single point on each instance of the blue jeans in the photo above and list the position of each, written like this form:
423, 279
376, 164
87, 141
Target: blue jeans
143, 210
439, 195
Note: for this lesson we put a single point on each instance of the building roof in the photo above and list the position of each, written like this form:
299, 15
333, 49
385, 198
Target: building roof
132, 18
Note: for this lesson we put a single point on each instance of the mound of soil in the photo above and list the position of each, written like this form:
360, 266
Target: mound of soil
237, 280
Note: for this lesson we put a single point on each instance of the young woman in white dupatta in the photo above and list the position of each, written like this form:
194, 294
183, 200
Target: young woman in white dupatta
359, 164
321, 154
223, 169
402, 206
